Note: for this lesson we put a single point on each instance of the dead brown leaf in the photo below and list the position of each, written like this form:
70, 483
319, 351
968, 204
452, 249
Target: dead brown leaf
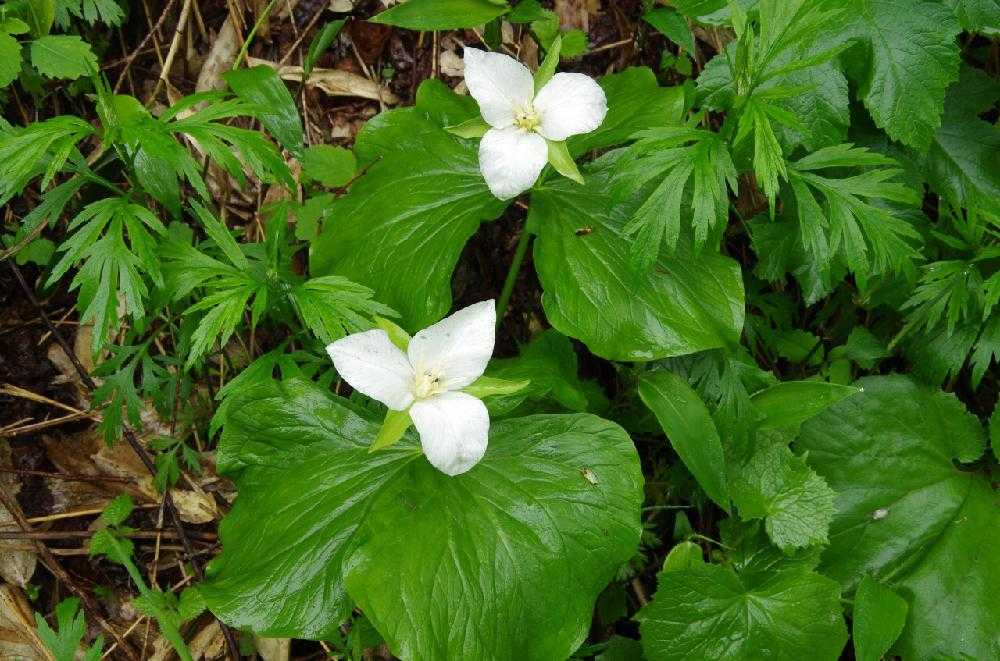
334, 82
18, 635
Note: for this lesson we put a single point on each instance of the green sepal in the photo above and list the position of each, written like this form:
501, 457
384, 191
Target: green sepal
485, 386
548, 67
393, 427
560, 159
397, 335
470, 128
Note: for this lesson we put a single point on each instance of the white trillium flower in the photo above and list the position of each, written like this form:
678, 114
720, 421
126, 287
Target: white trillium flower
427, 381
514, 151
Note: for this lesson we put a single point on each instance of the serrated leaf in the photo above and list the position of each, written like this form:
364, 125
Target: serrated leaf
373, 515
63, 56
713, 612
795, 503
682, 305
908, 516
913, 58
71, 627
330, 165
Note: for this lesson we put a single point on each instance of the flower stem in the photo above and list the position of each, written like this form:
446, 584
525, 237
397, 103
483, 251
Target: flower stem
515, 268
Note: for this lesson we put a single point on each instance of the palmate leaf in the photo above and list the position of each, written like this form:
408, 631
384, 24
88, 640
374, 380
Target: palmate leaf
108, 12
844, 217
41, 148
333, 306
682, 156
112, 237
71, 628
160, 160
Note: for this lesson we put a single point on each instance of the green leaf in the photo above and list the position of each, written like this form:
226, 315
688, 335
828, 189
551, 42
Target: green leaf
401, 227
681, 156
63, 56
39, 14
441, 14
688, 425
961, 164
908, 516
686, 555
118, 510
913, 58
864, 348
978, 15
696, 8
319, 517
261, 86
393, 427
671, 25
787, 405
549, 364
10, 59
332, 306
714, 612
560, 159
329, 165
71, 628
41, 148
320, 43
878, 619
682, 305
795, 503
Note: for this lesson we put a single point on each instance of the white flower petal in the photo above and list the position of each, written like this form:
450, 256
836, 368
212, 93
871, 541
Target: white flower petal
570, 104
499, 83
457, 348
511, 160
373, 365
454, 428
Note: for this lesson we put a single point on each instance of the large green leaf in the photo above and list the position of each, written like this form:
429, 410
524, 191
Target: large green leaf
63, 56
978, 15
553, 508
442, 14
683, 304
913, 58
962, 163
789, 404
261, 86
401, 228
715, 612
688, 424
909, 516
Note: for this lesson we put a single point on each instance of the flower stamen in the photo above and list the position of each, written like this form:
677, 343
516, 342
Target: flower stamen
527, 119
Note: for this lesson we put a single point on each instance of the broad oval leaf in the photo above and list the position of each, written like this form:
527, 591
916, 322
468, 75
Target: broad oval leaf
553, 508
908, 516
787, 405
879, 617
682, 305
402, 226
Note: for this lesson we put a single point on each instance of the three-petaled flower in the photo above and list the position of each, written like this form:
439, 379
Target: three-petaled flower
514, 151
427, 381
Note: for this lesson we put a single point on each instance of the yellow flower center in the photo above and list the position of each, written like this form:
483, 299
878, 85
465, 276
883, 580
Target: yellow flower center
426, 384
527, 119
